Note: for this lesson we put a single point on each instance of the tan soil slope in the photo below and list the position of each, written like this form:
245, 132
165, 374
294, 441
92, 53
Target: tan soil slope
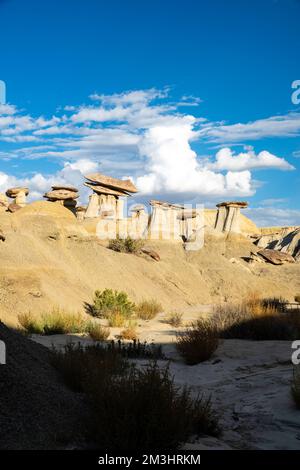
48, 259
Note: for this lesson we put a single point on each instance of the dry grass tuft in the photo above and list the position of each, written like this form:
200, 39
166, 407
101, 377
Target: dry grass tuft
56, 322
198, 342
130, 332
260, 320
148, 309
98, 332
174, 319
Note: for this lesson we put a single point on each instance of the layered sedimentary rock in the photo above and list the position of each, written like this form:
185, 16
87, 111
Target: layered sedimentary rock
228, 216
139, 221
173, 221
18, 195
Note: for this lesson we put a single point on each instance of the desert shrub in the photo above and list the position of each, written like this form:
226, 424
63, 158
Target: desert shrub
111, 301
296, 386
198, 342
77, 363
261, 321
31, 323
55, 322
142, 409
297, 298
98, 332
126, 245
129, 333
148, 309
174, 319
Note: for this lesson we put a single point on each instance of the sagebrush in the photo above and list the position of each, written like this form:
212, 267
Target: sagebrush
111, 301
126, 245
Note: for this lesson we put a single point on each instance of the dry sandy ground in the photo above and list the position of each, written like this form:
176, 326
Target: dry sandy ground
49, 259
249, 382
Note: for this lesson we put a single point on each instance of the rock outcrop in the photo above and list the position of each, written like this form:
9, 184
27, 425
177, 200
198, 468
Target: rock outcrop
18, 195
228, 216
105, 200
65, 195
275, 257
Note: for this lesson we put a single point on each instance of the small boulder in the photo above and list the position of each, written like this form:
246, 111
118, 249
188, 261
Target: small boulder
276, 257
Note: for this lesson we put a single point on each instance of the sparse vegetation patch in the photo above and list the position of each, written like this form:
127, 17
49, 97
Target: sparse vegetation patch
148, 309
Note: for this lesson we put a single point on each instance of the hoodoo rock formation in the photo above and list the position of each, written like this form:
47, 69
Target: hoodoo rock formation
228, 216
19, 197
105, 200
65, 195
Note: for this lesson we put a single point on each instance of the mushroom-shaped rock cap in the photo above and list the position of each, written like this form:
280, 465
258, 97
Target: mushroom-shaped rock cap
66, 187
61, 195
241, 204
110, 182
13, 192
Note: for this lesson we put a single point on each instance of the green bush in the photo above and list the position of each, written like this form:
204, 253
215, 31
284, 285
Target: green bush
109, 301
198, 342
148, 309
126, 245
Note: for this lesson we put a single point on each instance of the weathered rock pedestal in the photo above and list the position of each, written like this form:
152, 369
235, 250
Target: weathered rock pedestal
164, 222
105, 201
64, 195
18, 195
228, 216
139, 222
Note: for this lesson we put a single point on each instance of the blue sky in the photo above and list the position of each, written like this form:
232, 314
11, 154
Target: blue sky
192, 99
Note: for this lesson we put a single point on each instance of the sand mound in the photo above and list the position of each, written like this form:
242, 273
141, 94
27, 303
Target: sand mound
36, 409
44, 208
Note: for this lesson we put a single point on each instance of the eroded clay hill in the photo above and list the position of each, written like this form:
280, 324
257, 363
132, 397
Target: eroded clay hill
49, 259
